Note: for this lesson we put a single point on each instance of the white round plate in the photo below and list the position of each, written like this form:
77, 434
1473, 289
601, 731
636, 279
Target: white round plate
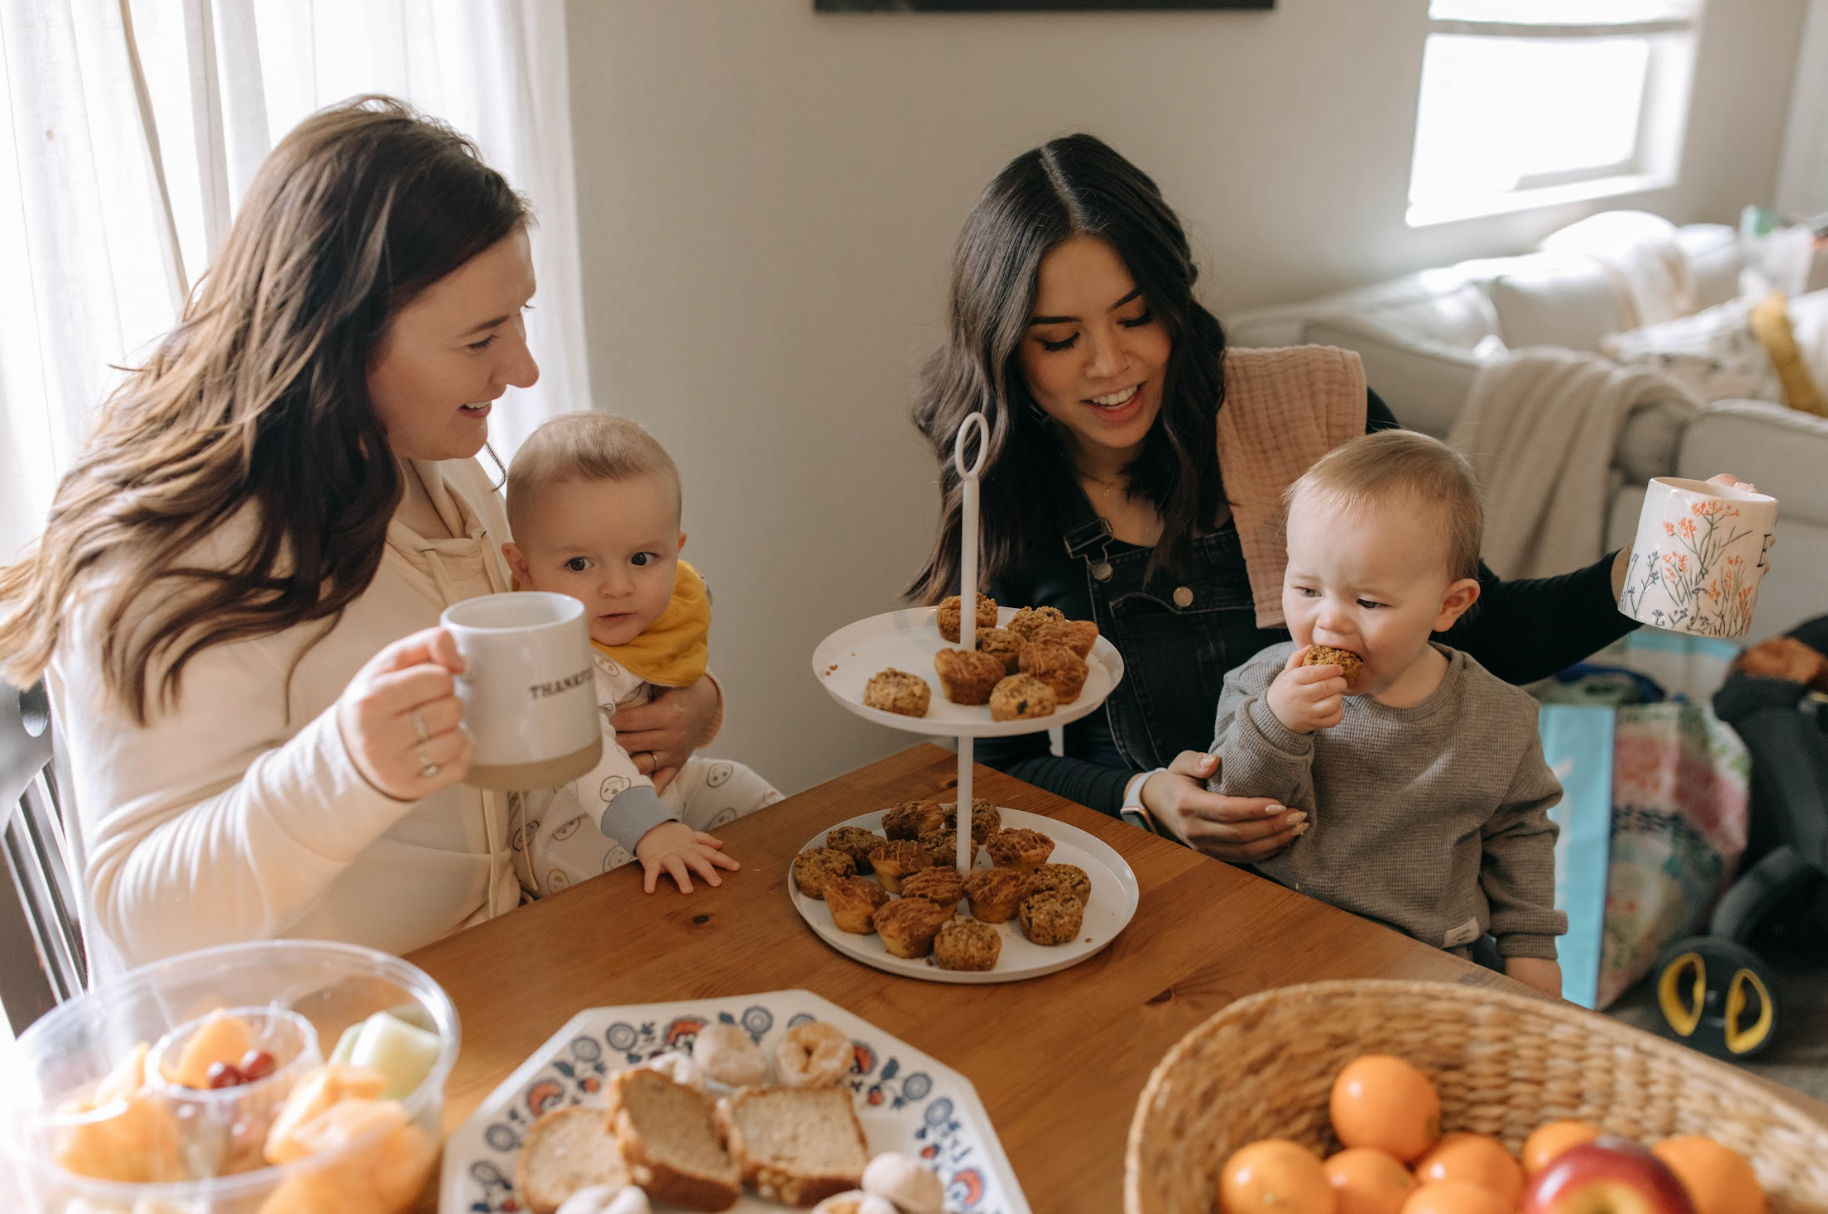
1113, 902
907, 640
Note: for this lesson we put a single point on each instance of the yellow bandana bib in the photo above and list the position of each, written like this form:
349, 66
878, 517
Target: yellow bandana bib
675, 648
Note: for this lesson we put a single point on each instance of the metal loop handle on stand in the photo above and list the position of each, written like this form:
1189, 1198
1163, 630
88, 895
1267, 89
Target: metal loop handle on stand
967, 607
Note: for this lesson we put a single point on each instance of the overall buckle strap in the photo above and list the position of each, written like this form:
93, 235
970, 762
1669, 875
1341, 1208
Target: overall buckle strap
1083, 538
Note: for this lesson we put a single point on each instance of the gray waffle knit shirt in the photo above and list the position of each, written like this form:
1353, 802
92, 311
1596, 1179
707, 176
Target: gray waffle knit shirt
1432, 819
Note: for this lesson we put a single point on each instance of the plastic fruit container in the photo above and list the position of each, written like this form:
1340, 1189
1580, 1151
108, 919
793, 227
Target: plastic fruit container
174, 1148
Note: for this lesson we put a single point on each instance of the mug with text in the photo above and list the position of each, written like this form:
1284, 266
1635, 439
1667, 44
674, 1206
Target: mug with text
528, 693
1698, 557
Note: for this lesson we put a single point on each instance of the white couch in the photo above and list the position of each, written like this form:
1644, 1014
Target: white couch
1424, 337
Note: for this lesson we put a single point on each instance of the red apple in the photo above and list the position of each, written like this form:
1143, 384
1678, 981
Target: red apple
1610, 1175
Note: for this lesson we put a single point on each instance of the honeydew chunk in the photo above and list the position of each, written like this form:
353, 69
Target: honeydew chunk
345, 1045
402, 1053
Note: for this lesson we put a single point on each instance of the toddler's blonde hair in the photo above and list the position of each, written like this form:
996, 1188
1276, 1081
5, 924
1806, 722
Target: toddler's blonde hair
582, 447
1403, 467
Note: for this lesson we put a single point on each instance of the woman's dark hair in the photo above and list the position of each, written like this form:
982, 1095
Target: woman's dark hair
256, 409
1068, 187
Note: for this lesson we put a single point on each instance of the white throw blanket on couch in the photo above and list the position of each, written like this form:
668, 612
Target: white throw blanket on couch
1540, 426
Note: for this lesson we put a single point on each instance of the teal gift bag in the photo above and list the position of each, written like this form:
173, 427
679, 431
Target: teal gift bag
1577, 744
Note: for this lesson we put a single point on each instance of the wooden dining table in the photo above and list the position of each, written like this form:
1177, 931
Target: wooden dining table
1058, 1061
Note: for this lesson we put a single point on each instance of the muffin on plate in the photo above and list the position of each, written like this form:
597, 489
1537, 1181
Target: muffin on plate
898, 691
912, 819
908, 925
944, 846
1002, 644
855, 842
949, 613
967, 944
1057, 666
986, 819
853, 900
815, 866
1021, 849
940, 885
1051, 917
1021, 696
896, 859
1076, 635
995, 893
1025, 621
1067, 878
967, 675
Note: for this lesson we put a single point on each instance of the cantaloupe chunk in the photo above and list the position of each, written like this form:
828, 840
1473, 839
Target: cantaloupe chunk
316, 1093
383, 1176
220, 1038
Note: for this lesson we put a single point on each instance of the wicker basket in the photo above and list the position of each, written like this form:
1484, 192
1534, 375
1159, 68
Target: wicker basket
1504, 1064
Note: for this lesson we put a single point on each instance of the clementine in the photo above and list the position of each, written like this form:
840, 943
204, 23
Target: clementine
1274, 1174
1384, 1102
1719, 1179
1368, 1181
1475, 1158
1455, 1197
1550, 1140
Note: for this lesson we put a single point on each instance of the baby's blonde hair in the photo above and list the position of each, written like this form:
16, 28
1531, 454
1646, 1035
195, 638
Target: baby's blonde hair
1408, 468
582, 447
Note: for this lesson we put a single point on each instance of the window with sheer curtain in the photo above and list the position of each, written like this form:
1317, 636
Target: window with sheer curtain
1532, 102
134, 128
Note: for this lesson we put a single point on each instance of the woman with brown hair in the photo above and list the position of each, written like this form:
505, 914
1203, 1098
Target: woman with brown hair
235, 599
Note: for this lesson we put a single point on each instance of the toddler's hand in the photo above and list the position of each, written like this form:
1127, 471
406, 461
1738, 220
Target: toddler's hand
677, 849
1306, 698
1545, 976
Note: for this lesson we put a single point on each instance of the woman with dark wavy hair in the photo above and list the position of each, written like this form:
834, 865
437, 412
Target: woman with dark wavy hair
235, 599
1134, 477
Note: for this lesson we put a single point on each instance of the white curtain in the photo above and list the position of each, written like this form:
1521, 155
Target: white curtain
130, 129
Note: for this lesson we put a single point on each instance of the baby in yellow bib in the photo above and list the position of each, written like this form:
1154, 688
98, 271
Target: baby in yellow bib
595, 506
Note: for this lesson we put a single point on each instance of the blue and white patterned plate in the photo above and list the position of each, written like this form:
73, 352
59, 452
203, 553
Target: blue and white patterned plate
906, 1100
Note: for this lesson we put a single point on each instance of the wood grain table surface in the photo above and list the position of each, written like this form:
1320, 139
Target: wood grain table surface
1059, 1061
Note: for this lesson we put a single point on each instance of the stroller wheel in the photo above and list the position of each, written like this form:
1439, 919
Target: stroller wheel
1717, 996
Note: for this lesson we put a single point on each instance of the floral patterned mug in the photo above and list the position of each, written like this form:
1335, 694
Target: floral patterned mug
1699, 556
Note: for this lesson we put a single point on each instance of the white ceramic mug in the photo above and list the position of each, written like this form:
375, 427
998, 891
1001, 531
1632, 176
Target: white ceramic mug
528, 693
1699, 556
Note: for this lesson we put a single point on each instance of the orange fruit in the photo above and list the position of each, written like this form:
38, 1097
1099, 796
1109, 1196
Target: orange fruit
1367, 1181
1274, 1174
1475, 1158
1456, 1197
1551, 1140
1719, 1180
1383, 1102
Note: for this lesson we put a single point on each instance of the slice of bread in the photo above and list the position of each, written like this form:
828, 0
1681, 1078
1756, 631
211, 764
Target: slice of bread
566, 1150
795, 1145
669, 1139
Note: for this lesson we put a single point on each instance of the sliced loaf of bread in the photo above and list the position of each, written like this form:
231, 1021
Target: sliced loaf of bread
566, 1150
795, 1145
669, 1138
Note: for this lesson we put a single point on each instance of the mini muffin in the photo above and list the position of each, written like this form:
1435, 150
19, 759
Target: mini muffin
1067, 878
855, 842
944, 846
1021, 696
1057, 666
908, 925
912, 819
995, 893
1051, 917
815, 866
853, 900
967, 944
966, 676
1001, 643
1020, 849
1076, 635
1345, 659
898, 691
940, 885
986, 819
948, 615
1025, 621
896, 859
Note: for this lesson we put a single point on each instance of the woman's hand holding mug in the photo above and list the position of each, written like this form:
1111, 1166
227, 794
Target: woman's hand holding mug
401, 721
1238, 830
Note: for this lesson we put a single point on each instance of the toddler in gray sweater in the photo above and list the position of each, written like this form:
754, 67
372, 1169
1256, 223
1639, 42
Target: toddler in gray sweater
1423, 777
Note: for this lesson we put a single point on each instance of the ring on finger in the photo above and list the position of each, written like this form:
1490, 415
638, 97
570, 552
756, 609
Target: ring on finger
419, 726
427, 768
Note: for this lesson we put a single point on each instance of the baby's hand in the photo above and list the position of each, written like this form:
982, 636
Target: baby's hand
1306, 698
676, 848
1545, 976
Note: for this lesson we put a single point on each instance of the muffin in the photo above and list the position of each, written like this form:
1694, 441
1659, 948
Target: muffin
853, 900
1067, 878
967, 944
815, 866
912, 819
896, 859
1345, 659
948, 615
855, 842
1021, 696
944, 846
994, 894
1051, 917
1057, 666
898, 691
1002, 644
966, 676
940, 885
1025, 621
986, 820
1076, 635
908, 925
1020, 849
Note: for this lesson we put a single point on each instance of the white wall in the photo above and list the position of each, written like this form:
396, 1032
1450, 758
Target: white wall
769, 197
